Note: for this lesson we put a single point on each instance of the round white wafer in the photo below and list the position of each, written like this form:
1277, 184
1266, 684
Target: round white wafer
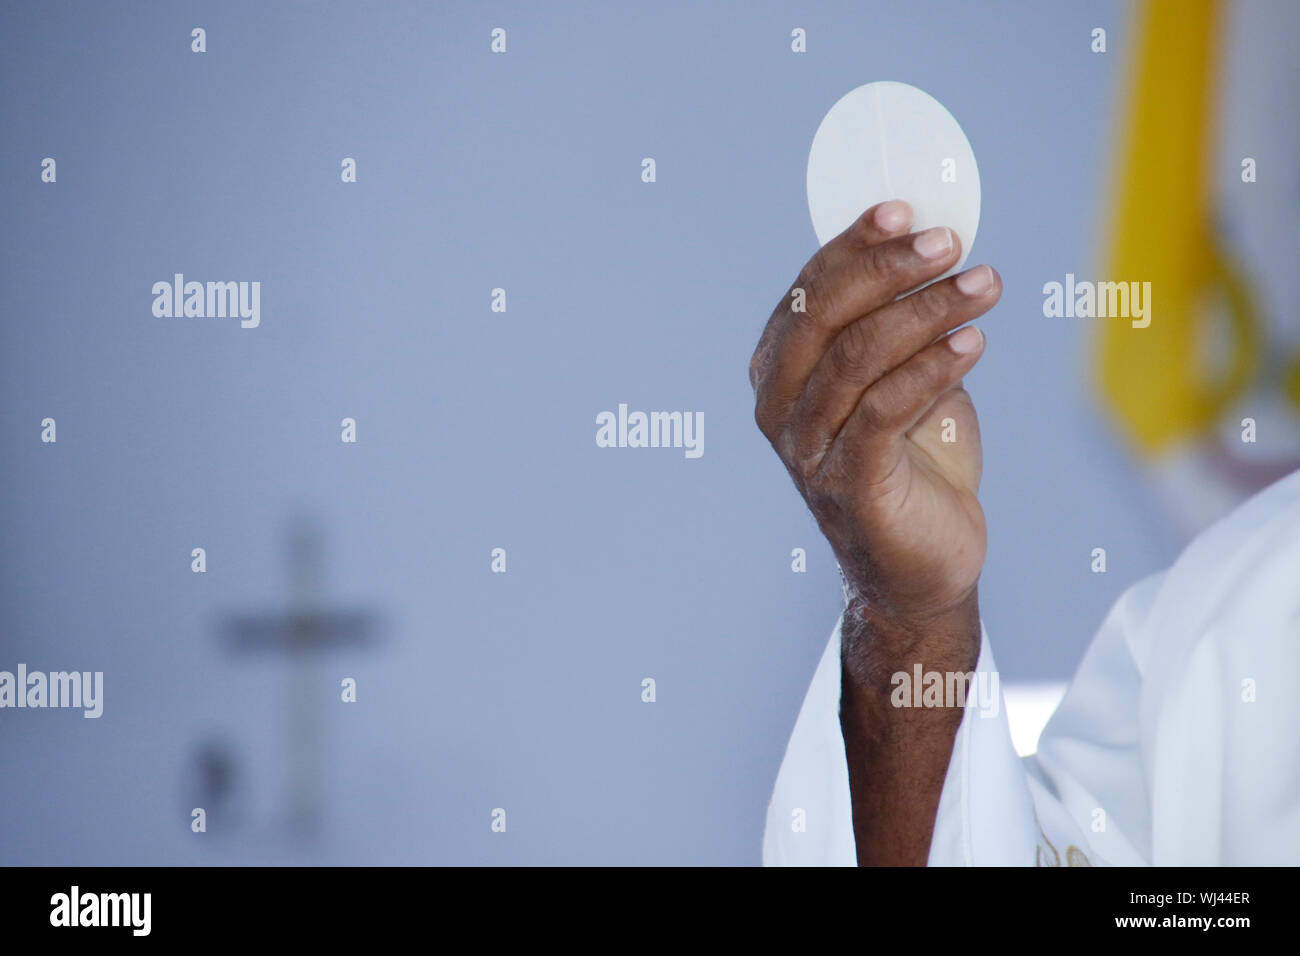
889, 140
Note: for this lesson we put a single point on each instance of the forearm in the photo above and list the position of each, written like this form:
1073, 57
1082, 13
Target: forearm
898, 755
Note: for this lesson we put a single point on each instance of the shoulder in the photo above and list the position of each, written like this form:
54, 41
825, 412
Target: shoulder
1262, 531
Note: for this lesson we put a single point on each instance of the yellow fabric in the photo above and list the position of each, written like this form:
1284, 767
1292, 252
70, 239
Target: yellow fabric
1151, 379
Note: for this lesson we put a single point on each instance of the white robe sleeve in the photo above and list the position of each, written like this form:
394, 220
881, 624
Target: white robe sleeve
1165, 750
987, 811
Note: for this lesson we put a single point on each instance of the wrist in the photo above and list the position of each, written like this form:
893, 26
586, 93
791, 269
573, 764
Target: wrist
878, 642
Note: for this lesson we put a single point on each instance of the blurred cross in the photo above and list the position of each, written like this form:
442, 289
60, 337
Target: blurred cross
303, 631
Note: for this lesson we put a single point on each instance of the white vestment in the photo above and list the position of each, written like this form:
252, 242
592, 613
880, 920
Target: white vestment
1177, 742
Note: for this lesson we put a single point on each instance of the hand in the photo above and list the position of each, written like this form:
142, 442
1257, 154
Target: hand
860, 393
861, 396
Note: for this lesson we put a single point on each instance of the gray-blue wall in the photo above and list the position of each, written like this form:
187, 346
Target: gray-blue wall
476, 429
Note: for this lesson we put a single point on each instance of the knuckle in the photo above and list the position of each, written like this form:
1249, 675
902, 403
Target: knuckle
801, 455
878, 262
813, 267
829, 492
877, 407
934, 368
784, 443
820, 487
818, 264
819, 295
801, 445
795, 464
816, 280
853, 354
929, 306
807, 462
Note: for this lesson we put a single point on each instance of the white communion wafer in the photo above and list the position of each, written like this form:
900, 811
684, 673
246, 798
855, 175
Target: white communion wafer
889, 140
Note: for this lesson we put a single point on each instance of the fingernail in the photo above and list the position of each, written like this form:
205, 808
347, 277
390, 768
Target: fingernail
975, 281
893, 215
934, 243
967, 340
